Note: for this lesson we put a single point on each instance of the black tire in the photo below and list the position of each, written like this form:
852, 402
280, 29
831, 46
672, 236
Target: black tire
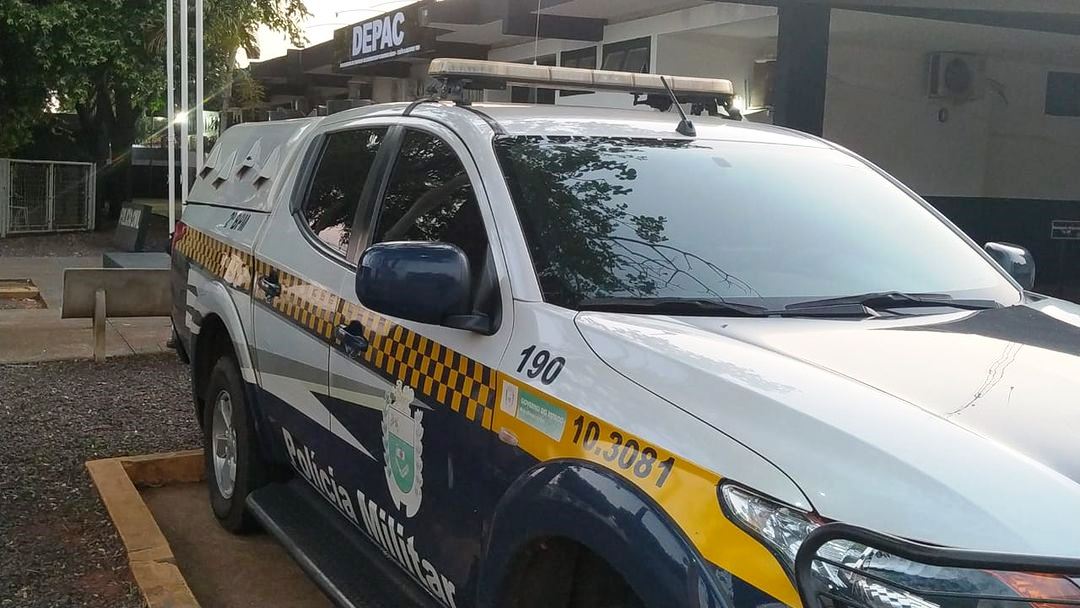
559, 573
251, 471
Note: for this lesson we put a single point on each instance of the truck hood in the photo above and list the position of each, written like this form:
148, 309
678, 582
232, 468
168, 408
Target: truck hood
966, 423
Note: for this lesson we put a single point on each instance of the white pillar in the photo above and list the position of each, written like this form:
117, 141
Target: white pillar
200, 127
170, 73
185, 99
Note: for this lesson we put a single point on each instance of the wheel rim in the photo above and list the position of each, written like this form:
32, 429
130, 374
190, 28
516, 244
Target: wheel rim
224, 445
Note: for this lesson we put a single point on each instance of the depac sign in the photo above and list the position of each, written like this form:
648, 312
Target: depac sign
390, 35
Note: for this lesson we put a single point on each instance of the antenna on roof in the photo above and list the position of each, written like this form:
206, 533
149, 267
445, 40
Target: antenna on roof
685, 126
536, 38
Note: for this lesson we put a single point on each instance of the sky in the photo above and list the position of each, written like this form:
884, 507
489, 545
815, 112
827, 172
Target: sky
326, 16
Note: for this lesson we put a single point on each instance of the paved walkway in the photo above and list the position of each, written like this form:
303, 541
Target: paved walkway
41, 335
222, 569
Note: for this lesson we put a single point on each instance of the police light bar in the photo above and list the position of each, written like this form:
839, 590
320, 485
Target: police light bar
478, 74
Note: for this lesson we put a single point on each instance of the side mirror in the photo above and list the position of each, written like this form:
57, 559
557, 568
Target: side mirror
1016, 261
419, 281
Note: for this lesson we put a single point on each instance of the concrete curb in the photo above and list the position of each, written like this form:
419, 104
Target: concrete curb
149, 555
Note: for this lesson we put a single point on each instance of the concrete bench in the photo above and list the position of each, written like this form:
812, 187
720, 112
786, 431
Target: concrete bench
130, 292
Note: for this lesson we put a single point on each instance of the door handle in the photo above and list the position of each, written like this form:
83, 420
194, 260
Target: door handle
352, 339
270, 287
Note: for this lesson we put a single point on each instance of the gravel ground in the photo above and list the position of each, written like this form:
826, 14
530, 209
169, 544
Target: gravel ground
57, 545
63, 244
80, 243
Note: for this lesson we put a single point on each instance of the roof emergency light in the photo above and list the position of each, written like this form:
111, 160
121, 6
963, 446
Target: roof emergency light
478, 74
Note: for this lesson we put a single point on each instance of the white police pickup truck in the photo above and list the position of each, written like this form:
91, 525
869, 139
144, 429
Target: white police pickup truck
568, 357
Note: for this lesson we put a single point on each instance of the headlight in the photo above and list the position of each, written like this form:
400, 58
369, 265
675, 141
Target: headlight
783, 529
841, 566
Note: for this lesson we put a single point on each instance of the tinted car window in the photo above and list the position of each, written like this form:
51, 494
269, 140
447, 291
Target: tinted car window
429, 198
335, 189
763, 223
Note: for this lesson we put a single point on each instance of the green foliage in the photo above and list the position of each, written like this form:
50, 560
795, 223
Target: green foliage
24, 92
246, 91
105, 60
233, 24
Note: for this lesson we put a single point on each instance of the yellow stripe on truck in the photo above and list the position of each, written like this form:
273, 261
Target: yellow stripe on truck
685, 491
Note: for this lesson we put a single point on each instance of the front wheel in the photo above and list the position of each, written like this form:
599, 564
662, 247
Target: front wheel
234, 467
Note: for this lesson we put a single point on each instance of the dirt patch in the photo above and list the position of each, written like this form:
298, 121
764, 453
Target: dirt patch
222, 569
57, 545
81, 244
19, 294
75, 244
21, 303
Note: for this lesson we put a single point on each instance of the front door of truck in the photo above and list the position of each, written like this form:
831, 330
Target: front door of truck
300, 262
420, 397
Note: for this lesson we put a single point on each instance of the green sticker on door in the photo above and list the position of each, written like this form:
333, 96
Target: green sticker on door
534, 411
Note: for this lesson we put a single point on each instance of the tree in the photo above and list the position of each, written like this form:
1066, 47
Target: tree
105, 61
232, 26
24, 93
103, 66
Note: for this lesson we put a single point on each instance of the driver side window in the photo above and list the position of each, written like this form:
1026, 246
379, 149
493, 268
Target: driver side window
429, 198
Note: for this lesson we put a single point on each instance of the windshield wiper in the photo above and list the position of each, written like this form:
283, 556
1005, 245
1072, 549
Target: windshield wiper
887, 300
859, 306
690, 307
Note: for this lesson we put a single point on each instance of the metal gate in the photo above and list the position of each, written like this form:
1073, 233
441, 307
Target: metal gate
46, 196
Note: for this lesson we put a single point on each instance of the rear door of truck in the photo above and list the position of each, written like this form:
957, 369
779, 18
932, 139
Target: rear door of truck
301, 263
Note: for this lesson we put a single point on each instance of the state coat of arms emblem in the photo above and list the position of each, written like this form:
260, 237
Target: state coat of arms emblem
403, 449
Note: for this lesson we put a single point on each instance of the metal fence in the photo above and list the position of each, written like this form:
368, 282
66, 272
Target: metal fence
45, 196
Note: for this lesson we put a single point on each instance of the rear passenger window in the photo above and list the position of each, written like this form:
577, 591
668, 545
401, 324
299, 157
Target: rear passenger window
335, 189
429, 198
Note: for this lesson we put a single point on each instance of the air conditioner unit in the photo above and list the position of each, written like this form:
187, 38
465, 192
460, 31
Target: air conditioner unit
957, 76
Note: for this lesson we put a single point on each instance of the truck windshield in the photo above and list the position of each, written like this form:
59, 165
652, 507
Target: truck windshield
763, 224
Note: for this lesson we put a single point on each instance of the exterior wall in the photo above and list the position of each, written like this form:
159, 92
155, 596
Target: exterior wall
691, 54
1031, 155
877, 105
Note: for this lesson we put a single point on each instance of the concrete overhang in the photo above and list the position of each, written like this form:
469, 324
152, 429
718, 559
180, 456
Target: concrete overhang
1059, 16
1047, 7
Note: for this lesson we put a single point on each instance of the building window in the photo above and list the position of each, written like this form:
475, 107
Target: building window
628, 56
581, 58
1063, 94
533, 94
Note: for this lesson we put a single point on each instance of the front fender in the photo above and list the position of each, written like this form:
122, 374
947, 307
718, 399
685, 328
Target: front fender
590, 505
